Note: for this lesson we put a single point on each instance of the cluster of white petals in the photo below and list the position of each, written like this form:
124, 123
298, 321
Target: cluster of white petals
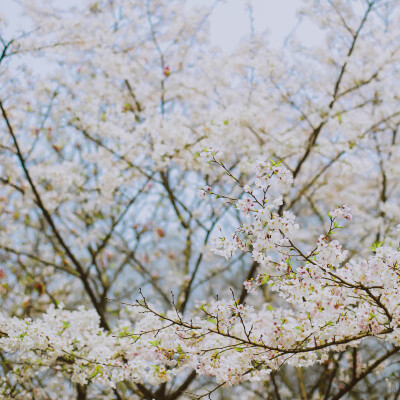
175, 217
224, 338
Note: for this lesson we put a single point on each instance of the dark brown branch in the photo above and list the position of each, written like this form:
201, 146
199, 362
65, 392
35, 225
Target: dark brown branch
49, 219
250, 275
180, 390
315, 133
276, 388
357, 379
3, 54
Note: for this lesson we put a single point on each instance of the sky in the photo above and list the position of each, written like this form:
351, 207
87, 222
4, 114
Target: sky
231, 20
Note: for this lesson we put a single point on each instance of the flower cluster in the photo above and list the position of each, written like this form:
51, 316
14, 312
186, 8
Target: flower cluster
265, 170
341, 212
269, 232
100, 163
203, 192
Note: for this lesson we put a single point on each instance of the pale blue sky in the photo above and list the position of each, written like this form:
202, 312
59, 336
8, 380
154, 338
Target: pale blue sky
231, 20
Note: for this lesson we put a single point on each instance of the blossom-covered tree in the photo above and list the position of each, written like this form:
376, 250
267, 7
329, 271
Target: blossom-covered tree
177, 222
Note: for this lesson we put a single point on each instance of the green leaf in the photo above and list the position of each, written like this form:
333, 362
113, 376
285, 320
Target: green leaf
376, 245
239, 349
96, 371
